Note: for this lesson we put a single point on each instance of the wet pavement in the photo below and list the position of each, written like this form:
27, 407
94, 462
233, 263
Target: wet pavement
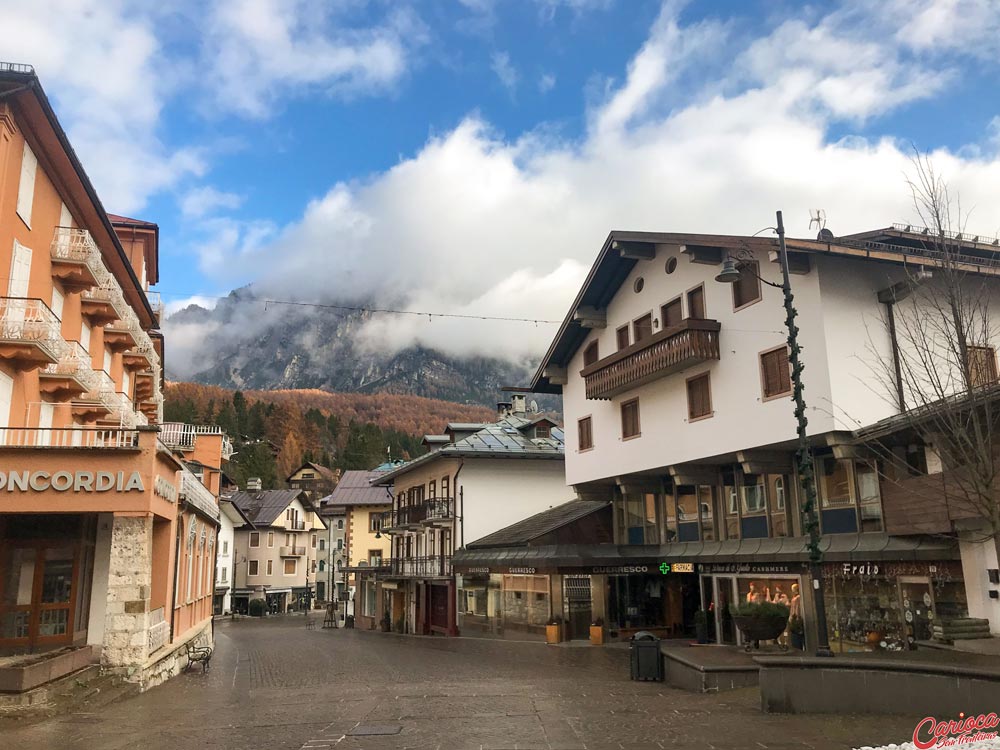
276, 684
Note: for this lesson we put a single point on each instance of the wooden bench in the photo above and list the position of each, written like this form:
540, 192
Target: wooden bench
201, 654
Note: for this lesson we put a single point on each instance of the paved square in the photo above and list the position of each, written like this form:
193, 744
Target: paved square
276, 684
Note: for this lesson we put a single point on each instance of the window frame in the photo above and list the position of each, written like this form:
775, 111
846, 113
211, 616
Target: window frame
687, 392
764, 397
580, 448
755, 275
638, 420
254, 535
295, 566
374, 522
253, 569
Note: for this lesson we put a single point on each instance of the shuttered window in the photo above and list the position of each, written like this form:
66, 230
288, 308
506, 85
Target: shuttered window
585, 434
699, 395
696, 303
982, 366
673, 313
590, 354
622, 335
26, 187
747, 289
774, 374
630, 419
643, 327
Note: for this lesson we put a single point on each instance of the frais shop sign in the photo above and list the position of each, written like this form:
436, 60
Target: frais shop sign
71, 481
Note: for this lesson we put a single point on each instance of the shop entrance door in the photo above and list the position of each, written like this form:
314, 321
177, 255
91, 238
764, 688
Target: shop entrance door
724, 601
578, 606
37, 589
917, 597
708, 604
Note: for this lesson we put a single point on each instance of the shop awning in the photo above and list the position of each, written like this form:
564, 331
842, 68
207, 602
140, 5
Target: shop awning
836, 548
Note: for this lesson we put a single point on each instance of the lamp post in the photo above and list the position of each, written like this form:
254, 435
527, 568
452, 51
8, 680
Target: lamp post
730, 273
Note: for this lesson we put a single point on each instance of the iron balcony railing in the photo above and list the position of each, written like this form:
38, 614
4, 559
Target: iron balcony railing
29, 320
68, 437
108, 291
102, 392
432, 566
663, 353
409, 516
440, 509
155, 302
77, 246
129, 324
74, 362
197, 494
182, 435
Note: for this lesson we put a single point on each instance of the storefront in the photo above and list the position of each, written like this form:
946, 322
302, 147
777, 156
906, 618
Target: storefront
659, 597
514, 604
890, 606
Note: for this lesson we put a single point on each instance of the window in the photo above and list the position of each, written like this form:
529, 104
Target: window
585, 434
308, 475
289, 540
313, 544
225, 547
445, 486
432, 488
868, 495
643, 327
696, 303
699, 393
322, 544
672, 313
590, 354
270, 567
747, 290
622, 338
731, 498
754, 502
312, 566
706, 507
779, 505
340, 544
542, 430
322, 565
374, 557
225, 574
630, 419
982, 366
340, 524
834, 482
270, 539
253, 568
26, 187
291, 566
254, 538
775, 378
85, 336
637, 519
58, 300
374, 522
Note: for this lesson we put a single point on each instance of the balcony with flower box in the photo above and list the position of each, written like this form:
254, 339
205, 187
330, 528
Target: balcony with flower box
76, 259
663, 353
30, 335
69, 377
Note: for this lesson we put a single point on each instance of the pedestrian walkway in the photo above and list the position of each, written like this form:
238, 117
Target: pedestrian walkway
275, 684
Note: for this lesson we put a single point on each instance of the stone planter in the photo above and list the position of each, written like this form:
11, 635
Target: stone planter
553, 633
43, 668
597, 635
756, 629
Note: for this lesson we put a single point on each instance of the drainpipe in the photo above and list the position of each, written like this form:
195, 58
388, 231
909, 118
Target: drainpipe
461, 510
897, 368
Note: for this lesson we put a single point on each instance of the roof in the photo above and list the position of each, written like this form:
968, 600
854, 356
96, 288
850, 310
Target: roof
899, 244
227, 506
356, 488
116, 219
434, 439
20, 86
523, 532
323, 471
464, 426
262, 508
505, 438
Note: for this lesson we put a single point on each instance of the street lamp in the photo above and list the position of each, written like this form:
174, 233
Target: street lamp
730, 273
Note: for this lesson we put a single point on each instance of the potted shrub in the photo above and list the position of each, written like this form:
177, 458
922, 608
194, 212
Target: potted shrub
553, 630
597, 632
256, 607
701, 625
386, 622
765, 621
797, 633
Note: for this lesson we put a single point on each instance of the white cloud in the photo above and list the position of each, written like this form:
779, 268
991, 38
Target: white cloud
205, 200
500, 64
172, 306
475, 223
546, 82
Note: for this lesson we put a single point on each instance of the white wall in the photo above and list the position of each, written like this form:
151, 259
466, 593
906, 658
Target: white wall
741, 419
499, 492
99, 590
977, 558
224, 560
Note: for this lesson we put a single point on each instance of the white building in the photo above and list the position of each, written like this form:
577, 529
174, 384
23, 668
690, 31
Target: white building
677, 400
225, 564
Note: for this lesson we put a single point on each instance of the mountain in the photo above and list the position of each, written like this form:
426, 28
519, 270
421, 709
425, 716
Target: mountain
250, 344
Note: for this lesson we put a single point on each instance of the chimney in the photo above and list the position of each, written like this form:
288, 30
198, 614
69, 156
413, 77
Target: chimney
518, 407
503, 409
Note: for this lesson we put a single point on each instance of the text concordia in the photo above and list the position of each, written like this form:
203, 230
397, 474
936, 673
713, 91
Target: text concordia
75, 481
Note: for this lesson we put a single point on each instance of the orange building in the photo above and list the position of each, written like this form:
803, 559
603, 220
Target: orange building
106, 537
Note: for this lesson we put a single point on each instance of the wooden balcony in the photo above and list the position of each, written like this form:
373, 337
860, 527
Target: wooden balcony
76, 259
663, 353
29, 333
927, 504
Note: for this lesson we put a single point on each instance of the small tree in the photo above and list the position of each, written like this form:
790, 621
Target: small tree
942, 371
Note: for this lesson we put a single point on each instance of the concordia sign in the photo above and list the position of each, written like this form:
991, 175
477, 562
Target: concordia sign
76, 481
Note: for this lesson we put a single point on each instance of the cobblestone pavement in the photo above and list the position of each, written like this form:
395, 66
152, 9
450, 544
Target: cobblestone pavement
277, 684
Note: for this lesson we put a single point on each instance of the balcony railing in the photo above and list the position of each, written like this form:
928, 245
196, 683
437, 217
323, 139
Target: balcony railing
74, 364
197, 494
107, 297
663, 353
29, 330
180, 435
291, 551
440, 509
125, 332
436, 566
75, 247
156, 302
68, 437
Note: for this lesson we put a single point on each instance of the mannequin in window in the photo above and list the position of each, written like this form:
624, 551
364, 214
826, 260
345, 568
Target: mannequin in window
780, 597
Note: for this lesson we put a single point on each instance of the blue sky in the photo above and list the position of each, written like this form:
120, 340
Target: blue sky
470, 155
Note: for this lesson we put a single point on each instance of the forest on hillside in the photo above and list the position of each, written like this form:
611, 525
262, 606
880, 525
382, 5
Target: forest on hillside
274, 432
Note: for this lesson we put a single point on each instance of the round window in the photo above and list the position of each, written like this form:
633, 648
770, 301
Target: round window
671, 265
638, 285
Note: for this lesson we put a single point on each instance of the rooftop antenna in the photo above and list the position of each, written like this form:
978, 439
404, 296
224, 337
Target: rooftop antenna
533, 406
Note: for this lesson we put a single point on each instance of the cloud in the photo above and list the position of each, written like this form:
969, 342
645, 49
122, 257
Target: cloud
479, 223
201, 201
546, 82
199, 300
500, 64
259, 51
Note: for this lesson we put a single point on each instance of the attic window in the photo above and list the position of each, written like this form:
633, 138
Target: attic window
542, 431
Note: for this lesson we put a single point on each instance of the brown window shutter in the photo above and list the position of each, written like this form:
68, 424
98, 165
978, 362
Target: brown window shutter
696, 303
672, 313
699, 397
590, 354
643, 327
622, 335
774, 368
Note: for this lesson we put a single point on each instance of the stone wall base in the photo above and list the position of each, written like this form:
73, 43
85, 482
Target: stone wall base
167, 661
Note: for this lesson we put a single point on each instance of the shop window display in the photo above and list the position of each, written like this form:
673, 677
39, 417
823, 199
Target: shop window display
651, 602
784, 591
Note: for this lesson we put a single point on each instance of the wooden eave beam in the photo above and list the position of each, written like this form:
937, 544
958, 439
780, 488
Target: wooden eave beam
764, 462
694, 474
556, 375
639, 484
798, 263
704, 254
633, 250
590, 317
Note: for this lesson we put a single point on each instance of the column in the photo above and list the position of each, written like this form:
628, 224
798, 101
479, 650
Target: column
126, 625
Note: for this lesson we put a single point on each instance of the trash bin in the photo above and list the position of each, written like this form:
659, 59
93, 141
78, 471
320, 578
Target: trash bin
349, 621
645, 657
